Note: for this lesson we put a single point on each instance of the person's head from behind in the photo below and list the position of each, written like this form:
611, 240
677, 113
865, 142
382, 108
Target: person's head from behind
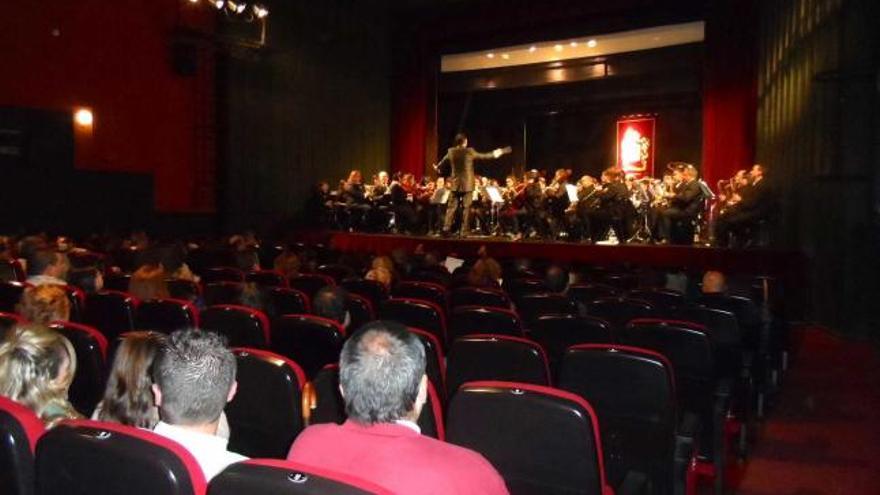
460, 140
193, 378
381, 275
486, 272
330, 302
148, 282
44, 304
88, 279
382, 374
556, 279
128, 398
714, 282
247, 260
287, 264
48, 262
37, 365
690, 173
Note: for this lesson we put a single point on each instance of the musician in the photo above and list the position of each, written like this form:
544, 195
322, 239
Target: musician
613, 198
401, 194
685, 205
580, 213
460, 159
354, 195
437, 205
557, 202
753, 203
508, 217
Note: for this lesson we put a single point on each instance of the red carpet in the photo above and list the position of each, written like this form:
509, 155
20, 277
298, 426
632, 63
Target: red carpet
823, 435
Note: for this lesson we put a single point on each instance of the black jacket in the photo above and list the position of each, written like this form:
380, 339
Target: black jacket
688, 198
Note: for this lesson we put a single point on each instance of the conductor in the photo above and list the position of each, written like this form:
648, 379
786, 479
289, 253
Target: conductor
460, 162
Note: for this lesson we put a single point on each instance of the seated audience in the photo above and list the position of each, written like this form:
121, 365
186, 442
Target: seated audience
380, 274
148, 282
486, 272
36, 369
714, 283
44, 304
332, 303
89, 279
193, 379
556, 279
287, 263
383, 383
47, 266
174, 265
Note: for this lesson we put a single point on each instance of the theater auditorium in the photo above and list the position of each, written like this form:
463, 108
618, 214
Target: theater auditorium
465, 247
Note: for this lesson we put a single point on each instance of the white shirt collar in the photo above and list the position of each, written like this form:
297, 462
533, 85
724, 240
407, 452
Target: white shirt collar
409, 424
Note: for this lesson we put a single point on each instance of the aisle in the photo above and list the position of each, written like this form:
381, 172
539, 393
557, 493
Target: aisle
823, 437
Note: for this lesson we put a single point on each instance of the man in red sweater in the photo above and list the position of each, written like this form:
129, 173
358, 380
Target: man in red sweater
382, 380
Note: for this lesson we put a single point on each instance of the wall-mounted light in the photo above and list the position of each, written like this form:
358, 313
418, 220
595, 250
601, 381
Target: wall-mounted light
83, 117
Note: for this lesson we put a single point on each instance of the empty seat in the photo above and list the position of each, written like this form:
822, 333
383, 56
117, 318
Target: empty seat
633, 392
311, 341
540, 439
556, 333
466, 320
479, 296
186, 290
242, 326
495, 357
619, 310
222, 274
373, 290
286, 301
360, 310
90, 346
166, 315
266, 413
532, 306
266, 278
517, 287
117, 282
11, 271
659, 298
223, 292
416, 313
10, 295
425, 291
111, 312
587, 293
108, 459
271, 477
20, 429
310, 283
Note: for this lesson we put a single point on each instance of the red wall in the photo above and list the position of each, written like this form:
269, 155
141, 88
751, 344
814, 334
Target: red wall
114, 57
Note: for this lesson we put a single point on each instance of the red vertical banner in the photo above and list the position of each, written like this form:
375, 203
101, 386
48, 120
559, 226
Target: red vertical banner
635, 146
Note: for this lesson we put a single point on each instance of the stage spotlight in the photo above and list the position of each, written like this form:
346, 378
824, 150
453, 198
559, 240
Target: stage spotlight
592, 43
260, 11
193, 1
558, 48
532, 49
490, 55
574, 44
238, 8
84, 117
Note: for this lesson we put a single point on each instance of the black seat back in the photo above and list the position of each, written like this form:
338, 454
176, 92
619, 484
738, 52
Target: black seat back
479, 296
166, 315
467, 320
587, 293
20, 429
186, 290
10, 295
268, 477
435, 363
310, 283
111, 312
242, 326
619, 310
532, 306
495, 357
373, 290
360, 310
425, 291
222, 274
311, 341
90, 347
556, 333
659, 298
286, 301
223, 292
266, 278
416, 313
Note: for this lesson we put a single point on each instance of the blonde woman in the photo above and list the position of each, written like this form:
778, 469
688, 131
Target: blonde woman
44, 304
36, 368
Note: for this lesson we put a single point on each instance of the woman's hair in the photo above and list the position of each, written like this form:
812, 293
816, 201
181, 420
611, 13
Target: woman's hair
485, 272
148, 282
128, 398
287, 264
381, 275
85, 278
44, 304
36, 368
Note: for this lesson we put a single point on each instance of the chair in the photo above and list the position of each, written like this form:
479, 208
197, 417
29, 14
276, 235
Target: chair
619, 310
495, 357
266, 413
10, 295
223, 292
621, 281
185, 290
166, 315
337, 272
310, 283
468, 320
271, 477
9, 320
242, 326
286, 301
374, 291
518, 287
633, 392
77, 299
587, 293
436, 275
479, 296
20, 429
430, 420
556, 333
416, 313
108, 459
117, 282
533, 306
11, 271
222, 274
659, 298
90, 346
360, 311
266, 278
425, 291
540, 439
111, 312
311, 341
435, 362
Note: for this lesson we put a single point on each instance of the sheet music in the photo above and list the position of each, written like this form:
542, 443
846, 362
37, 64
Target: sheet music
452, 263
572, 191
494, 195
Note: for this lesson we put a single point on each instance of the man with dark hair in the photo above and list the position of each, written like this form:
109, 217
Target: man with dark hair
193, 379
331, 302
685, 205
755, 204
382, 380
47, 266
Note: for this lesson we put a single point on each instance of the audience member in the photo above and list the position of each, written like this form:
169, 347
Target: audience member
287, 263
486, 272
380, 274
556, 279
44, 304
193, 379
36, 369
332, 303
47, 266
172, 259
89, 279
383, 383
247, 260
148, 282
714, 283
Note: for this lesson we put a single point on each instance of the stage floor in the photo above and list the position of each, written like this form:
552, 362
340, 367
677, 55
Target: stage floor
785, 264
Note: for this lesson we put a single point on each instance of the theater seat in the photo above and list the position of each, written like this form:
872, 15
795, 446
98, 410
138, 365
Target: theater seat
532, 306
118, 282
425, 291
373, 290
20, 429
619, 310
90, 346
540, 439
10, 295
360, 310
587, 293
435, 362
479, 296
166, 315
466, 320
11, 271
286, 301
556, 333
77, 299
111, 312
311, 341
310, 283
222, 274
266, 278
272, 477
242, 326
9, 320
337, 272
659, 298
223, 292
79, 457
495, 357
185, 290
266, 413
416, 313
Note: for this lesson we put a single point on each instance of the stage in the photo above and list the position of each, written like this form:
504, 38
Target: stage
786, 265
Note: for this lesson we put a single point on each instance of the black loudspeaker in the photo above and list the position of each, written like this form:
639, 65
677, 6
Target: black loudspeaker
184, 58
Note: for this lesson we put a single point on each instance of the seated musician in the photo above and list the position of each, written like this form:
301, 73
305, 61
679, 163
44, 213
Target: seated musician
586, 206
508, 215
556, 202
354, 195
437, 205
401, 195
752, 204
684, 206
319, 206
532, 215
613, 200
